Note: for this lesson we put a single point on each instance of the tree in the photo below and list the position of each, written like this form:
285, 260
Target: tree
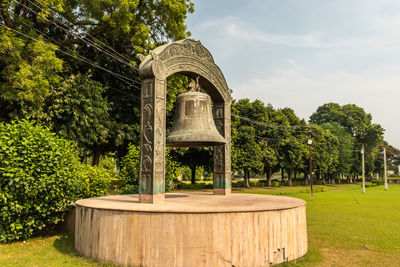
247, 153
193, 158
325, 153
29, 70
359, 125
270, 159
345, 147
107, 33
78, 111
292, 153
248, 129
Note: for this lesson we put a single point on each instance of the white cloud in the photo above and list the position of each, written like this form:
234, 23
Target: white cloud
233, 28
348, 54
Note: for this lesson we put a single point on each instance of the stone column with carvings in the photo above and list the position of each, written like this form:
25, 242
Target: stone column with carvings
152, 152
222, 154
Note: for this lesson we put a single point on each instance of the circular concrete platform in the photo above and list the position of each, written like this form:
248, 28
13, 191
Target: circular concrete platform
192, 229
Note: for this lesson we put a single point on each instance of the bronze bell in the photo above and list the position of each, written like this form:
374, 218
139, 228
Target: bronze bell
194, 124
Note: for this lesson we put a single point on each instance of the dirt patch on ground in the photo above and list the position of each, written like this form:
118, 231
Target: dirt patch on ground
358, 257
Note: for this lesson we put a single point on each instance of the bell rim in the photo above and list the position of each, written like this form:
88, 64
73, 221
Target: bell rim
195, 144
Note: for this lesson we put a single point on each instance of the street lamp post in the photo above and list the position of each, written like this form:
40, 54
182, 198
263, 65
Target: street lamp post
309, 142
363, 168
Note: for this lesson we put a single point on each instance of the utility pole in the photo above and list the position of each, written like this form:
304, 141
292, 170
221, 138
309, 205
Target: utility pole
363, 169
310, 162
385, 168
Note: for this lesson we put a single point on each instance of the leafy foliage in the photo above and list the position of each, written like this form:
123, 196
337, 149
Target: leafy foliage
29, 70
79, 112
93, 181
358, 125
38, 172
128, 177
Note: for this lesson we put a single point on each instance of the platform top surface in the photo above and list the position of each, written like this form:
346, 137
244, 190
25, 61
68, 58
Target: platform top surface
195, 203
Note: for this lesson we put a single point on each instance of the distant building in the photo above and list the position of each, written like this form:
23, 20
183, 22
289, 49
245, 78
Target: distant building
390, 172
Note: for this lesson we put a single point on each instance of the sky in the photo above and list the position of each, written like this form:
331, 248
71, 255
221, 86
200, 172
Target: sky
305, 53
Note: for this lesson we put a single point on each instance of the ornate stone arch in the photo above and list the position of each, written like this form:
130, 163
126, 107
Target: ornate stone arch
191, 58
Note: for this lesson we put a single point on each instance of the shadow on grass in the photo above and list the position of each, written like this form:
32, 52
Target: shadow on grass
312, 257
65, 244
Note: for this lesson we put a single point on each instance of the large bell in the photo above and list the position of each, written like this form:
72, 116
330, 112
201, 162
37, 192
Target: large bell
194, 124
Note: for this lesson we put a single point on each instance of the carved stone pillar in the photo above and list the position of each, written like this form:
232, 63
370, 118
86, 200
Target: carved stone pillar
152, 152
222, 154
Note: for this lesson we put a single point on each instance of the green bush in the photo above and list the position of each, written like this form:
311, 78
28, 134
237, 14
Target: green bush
93, 181
260, 183
38, 179
108, 162
378, 182
128, 177
196, 186
275, 183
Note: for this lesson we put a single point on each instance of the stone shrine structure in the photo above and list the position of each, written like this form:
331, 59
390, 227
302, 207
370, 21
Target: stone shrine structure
188, 229
191, 58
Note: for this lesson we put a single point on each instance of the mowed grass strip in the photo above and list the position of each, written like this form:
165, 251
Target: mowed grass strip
345, 228
55, 250
348, 228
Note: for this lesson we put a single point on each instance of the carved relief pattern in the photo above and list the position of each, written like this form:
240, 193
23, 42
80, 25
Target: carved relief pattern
188, 48
159, 142
160, 130
147, 138
208, 71
147, 135
158, 69
219, 159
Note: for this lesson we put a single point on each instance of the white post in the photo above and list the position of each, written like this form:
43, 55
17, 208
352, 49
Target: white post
363, 169
385, 168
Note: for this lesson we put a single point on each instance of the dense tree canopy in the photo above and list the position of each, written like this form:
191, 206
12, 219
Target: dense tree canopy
73, 65
359, 125
43, 43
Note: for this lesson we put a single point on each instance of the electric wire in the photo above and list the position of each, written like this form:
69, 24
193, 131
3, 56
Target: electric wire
93, 45
54, 12
84, 59
118, 57
85, 40
121, 77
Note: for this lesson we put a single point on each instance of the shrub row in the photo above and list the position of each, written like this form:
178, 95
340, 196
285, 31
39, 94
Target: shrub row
40, 177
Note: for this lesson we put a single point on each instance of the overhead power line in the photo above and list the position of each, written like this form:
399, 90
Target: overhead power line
291, 127
114, 54
121, 77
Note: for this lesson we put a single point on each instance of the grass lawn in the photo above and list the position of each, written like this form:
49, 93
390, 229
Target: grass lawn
345, 228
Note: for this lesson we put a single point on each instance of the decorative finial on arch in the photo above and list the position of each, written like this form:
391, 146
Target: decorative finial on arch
141, 57
154, 55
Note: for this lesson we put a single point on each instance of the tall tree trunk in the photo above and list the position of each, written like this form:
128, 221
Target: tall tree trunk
246, 178
323, 179
290, 183
3, 110
96, 155
193, 169
283, 174
269, 177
